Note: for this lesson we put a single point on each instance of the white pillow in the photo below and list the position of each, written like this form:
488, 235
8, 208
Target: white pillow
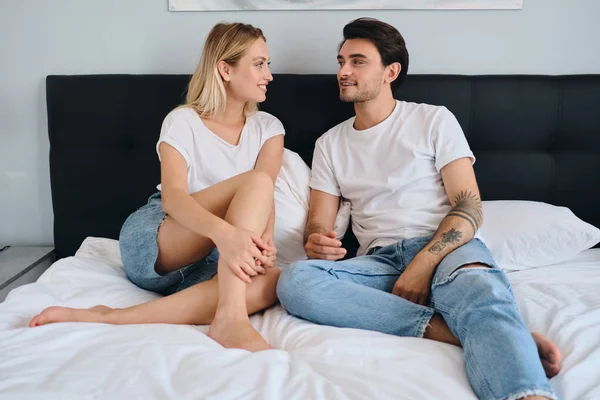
292, 197
529, 234
99, 248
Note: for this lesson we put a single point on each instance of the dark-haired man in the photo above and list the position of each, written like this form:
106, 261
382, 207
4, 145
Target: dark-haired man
422, 268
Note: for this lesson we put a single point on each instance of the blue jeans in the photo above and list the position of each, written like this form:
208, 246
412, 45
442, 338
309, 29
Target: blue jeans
501, 357
138, 243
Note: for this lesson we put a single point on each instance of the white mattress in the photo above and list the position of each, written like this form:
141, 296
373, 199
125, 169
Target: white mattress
99, 361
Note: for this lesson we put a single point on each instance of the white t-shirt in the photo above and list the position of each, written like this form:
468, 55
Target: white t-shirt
209, 158
391, 172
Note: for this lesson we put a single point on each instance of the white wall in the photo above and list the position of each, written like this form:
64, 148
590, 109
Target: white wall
38, 38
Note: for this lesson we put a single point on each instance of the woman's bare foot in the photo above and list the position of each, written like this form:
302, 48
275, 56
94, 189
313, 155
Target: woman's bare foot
64, 314
549, 354
237, 334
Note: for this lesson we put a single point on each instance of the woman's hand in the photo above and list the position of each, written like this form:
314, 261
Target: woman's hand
241, 250
270, 252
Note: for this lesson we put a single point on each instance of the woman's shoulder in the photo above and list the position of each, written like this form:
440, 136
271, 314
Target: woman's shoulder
180, 114
263, 117
264, 121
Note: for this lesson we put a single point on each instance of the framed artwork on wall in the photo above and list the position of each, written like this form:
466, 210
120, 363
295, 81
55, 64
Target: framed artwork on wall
256, 5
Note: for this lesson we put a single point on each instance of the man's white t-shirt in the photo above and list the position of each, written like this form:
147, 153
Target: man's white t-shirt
209, 158
391, 172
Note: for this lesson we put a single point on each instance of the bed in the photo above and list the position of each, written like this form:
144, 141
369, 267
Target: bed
537, 139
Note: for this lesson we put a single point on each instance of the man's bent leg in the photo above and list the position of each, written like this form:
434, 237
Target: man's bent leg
354, 293
474, 297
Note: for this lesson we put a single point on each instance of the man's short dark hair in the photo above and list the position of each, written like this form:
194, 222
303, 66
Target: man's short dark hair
388, 41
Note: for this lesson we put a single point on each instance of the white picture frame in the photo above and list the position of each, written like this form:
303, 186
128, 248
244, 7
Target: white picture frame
263, 5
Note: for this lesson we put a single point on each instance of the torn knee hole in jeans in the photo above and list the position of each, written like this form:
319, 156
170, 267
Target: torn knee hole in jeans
471, 266
463, 268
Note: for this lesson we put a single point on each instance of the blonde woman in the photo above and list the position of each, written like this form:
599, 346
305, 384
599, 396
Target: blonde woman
205, 239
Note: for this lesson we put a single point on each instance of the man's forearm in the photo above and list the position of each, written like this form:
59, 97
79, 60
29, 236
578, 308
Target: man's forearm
314, 227
457, 228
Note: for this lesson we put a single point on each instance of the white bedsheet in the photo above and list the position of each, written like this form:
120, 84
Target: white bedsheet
99, 361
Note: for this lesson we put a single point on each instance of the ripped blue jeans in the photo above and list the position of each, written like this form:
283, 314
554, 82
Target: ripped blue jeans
501, 357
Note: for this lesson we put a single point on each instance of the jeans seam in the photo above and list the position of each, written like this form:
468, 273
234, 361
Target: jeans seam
470, 362
424, 322
482, 383
358, 274
400, 255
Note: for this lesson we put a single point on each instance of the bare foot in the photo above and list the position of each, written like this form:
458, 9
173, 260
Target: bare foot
549, 354
64, 314
234, 334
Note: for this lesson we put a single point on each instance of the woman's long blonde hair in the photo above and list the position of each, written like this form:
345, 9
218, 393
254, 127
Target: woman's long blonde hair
225, 42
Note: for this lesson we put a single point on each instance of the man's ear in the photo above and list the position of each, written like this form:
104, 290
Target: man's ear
224, 70
393, 70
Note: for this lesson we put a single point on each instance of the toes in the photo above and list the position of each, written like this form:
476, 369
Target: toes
43, 318
34, 321
552, 355
550, 369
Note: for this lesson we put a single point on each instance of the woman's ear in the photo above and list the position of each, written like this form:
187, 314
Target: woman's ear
224, 70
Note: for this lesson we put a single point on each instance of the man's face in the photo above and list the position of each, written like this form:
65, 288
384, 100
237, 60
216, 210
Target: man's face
361, 73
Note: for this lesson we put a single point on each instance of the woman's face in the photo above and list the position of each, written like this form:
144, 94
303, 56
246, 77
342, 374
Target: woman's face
250, 77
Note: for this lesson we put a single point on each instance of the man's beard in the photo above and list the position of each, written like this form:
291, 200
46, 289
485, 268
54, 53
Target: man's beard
361, 96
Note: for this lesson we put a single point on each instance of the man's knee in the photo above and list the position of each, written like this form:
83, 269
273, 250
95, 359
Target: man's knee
466, 266
480, 280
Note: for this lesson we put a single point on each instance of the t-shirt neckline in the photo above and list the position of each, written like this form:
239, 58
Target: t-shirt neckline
379, 126
235, 146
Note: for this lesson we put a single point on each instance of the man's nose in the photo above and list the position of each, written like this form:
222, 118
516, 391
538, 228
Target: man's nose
344, 70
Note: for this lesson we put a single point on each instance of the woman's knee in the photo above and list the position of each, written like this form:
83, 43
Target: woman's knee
259, 180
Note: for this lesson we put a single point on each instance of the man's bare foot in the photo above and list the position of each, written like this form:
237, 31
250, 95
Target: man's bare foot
549, 354
237, 334
64, 314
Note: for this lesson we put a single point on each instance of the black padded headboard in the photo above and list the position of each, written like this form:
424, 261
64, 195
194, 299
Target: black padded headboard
535, 138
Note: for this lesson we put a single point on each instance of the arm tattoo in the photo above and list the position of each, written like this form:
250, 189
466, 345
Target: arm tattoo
468, 207
452, 236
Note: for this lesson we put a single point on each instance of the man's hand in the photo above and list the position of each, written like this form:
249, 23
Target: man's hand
324, 247
414, 283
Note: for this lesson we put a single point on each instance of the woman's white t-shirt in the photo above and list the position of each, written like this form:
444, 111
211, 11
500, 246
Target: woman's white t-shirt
209, 158
391, 172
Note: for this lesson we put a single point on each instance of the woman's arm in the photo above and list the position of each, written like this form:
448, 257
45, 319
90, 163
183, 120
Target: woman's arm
177, 202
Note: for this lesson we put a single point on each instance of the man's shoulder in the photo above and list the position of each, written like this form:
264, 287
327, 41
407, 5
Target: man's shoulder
423, 110
336, 130
423, 117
